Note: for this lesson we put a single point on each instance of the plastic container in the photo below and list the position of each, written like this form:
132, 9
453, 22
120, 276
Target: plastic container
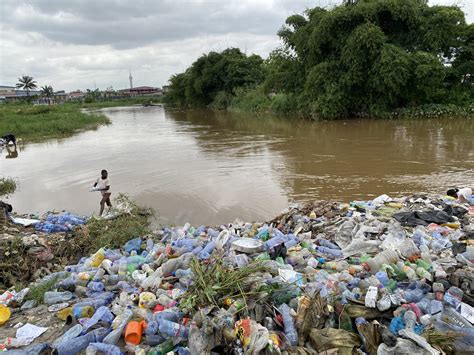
97, 258
454, 296
172, 329
102, 314
289, 325
375, 264
133, 332
72, 333
4, 314
118, 325
52, 297
337, 253
82, 311
102, 348
75, 345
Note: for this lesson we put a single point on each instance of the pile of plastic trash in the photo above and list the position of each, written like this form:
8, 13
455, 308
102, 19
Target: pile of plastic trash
55, 223
383, 276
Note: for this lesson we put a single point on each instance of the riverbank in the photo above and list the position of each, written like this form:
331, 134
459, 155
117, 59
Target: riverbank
40, 123
310, 275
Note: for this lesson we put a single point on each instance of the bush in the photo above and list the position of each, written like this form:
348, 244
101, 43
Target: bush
283, 103
252, 100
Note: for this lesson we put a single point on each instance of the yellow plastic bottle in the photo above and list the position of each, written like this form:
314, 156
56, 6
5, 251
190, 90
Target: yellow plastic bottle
97, 258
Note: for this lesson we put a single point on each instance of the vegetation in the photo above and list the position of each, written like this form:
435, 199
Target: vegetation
48, 93
366, 58
116, 232
38, 123
7, 186
27, 83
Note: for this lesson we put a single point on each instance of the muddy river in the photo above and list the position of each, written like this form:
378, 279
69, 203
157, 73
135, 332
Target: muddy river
208, 167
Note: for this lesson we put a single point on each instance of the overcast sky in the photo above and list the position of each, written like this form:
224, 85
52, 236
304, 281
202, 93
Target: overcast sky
79, 44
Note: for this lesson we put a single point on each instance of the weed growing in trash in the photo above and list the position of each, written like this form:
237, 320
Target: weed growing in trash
7, 186
37, 292
214, 282
116, 232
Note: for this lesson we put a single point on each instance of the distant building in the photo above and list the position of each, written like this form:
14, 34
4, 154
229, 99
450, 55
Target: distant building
60, 96
142, 91
75, 95
12, 94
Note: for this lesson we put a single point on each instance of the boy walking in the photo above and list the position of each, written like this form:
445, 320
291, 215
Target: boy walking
103, 185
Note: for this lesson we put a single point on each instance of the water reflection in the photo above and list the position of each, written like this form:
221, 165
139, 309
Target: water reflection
211, 167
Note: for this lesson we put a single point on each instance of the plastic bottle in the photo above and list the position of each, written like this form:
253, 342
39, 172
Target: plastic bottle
52, 297
438, 289
102, 348
422, 273
82, 311
102, 314
165, 347
122, 267
414, 295
75, 345
166, 301
173, 329
288, 324
207, 251
236, 306
410, 320
72, 333
95, 286
382, 277
96, 302
450, 316
453, 296
337, 253
97, 258
326, 243
386, 257
154, 339
118, 326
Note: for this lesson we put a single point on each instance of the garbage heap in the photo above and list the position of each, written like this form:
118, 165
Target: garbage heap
380, 277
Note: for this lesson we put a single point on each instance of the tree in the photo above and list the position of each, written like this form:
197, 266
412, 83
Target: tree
48, 92
27, 83
215, 75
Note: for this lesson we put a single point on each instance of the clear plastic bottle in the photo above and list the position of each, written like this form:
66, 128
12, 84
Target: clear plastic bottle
337, 253
75, 345
289, 325
173, 329
52, 297
96, 259
102, 348
72, 333
95, 286
118, 325
102, 314
375, 264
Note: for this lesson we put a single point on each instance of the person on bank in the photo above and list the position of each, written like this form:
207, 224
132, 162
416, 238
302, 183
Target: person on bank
103, 185
463, 195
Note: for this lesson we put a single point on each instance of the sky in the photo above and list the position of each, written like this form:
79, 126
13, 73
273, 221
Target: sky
80, 44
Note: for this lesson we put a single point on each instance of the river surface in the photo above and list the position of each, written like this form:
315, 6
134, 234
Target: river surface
205, 167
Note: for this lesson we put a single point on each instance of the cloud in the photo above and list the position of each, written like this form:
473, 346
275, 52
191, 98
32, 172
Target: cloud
81, 43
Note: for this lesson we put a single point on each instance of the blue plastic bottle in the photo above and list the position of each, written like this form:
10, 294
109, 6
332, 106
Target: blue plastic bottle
75, 345
289, 325
101, 314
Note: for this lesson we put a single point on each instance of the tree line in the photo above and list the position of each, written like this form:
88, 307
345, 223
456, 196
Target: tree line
362, 58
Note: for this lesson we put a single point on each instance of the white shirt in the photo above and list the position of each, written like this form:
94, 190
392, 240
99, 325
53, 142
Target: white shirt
102, 184
465, 192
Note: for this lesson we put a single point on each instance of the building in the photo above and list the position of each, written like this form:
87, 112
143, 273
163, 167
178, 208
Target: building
142, 91
75, 95
12, 94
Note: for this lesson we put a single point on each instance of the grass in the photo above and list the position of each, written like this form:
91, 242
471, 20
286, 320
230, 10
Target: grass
7, 186
116, 232
37, 292
40, 123
213, 283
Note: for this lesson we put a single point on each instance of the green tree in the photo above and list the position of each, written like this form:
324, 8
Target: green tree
48, 93
215, 76
27, 83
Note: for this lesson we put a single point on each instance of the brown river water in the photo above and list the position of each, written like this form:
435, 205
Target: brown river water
208, 167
